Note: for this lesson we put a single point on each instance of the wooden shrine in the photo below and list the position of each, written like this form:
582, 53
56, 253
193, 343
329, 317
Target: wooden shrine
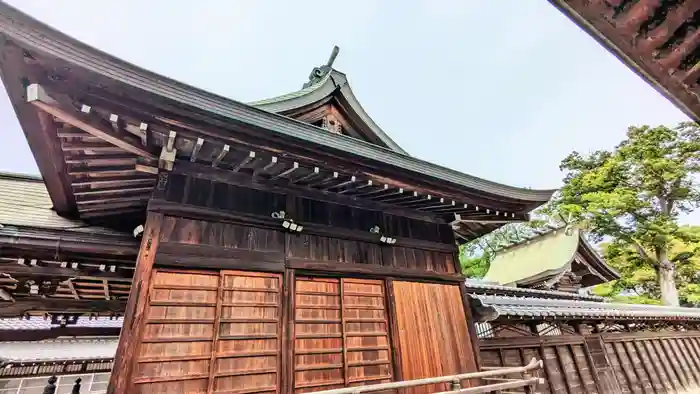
285, 246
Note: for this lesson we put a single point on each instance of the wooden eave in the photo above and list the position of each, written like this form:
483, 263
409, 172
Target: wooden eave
333, 88
657, 41
596, 262
118, 118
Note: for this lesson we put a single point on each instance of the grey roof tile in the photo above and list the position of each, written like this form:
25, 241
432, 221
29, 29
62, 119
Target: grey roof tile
24, 201
518, 307
37, 323
59, 349
475, 285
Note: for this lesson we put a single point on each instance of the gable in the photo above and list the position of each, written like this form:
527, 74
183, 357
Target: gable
327, 100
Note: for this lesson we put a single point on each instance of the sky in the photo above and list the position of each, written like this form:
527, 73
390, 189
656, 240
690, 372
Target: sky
503, 90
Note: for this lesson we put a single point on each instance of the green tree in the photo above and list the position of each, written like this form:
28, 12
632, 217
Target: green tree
638, 282
476, 256
634, 194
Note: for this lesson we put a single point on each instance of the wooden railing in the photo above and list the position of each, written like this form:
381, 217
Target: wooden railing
527, 382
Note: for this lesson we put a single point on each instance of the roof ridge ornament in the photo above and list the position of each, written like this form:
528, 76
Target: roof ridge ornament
318, 73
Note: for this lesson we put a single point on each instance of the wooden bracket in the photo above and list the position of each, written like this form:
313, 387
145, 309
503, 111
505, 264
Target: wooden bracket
37, 96
168, 153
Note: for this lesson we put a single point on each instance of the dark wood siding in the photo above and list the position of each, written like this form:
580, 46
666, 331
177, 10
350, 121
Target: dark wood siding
223, 196
433, 334
334, 250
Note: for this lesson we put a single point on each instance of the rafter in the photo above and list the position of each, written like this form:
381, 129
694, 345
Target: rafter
37, 96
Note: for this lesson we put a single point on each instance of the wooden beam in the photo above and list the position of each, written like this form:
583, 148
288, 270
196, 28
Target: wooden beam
146, 169
168, 152
5, 296
100, 171
330, 178
105, 288
294, 167
56, 332
311, 175
101, 160
71, 287
50, 270
369, 269
220, 157
117, 181
118, 199
110, 207
90, 146
134, 318
37, 96
195, 149
247, 159
23, 306
38, 127
132, 208
264, 169
121, 190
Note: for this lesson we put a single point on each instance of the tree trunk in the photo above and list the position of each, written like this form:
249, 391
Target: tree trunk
667, 279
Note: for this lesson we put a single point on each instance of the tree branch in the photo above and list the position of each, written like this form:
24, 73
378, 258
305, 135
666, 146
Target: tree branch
644, 255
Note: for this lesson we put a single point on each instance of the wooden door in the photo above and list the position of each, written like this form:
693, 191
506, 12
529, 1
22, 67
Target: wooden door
433, 333
211, 332
340, 334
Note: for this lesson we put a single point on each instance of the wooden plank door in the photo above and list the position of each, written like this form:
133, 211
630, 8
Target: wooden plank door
433, 332
211, 332
340, 334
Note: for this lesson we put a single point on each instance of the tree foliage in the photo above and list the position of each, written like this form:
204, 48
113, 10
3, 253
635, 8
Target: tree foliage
633, 195
638, 282
476, 256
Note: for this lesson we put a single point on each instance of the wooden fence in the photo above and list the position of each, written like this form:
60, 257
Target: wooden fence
622, 362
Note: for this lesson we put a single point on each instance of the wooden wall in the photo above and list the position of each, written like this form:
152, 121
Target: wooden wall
211, 331
341, 336
433, 333
641, 362
237, 305
184, 241
334, 232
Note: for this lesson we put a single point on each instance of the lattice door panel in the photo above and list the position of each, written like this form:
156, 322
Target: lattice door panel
247, 344
211, 332
177, 339
341, 334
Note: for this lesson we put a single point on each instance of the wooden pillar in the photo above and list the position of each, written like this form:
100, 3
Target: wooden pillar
120, 381
471, 324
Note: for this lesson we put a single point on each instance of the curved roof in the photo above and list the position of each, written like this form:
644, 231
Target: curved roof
492, 307
544, 255
20, 31
333, 84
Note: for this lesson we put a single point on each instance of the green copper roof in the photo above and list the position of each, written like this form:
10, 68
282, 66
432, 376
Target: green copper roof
548, 254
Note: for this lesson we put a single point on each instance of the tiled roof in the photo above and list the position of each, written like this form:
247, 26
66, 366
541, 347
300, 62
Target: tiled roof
24, 201
59, 349
480, 287
45, 324
544, 255
541, 308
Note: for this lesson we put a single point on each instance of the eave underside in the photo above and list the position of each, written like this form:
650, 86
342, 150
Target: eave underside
135, 113
658, 40
113, 141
